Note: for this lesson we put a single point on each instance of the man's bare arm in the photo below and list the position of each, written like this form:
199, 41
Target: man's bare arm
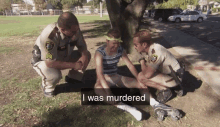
63, 65
99, 72
129, 64
147, 70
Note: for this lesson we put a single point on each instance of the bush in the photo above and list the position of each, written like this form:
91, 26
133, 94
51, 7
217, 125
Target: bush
216, 9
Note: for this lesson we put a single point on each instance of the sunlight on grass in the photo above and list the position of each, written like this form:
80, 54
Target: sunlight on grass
81, 116
5, 82
6, 49
29, 26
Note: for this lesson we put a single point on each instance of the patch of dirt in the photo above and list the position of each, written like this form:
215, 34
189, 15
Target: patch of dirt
200, 106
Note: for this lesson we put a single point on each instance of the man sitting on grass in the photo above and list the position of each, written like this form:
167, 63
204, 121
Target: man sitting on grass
106, 58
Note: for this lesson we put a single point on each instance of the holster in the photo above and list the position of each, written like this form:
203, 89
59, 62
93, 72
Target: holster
178, 74
36, 55
174, 75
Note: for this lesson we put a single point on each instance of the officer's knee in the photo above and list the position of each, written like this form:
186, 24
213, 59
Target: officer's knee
54, 79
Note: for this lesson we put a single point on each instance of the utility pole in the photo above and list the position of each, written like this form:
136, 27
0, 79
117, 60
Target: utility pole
78, 7
26, 8
207, 4
100, 8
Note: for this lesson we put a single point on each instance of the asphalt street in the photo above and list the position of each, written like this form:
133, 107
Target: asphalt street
207, 31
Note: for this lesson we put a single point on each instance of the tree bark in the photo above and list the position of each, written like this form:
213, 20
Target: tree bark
113, 8
126, 15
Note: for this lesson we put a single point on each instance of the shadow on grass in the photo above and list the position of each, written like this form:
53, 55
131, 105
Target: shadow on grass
100, 29
190, 82
96, 115
89, 78
84, 116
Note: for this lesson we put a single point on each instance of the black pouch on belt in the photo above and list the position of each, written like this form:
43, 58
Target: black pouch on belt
180, 72
36, 55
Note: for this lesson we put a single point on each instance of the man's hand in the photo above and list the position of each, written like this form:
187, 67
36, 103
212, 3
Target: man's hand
78, 65
84, 60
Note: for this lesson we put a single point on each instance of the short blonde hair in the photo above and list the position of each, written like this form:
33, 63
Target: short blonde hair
143, 36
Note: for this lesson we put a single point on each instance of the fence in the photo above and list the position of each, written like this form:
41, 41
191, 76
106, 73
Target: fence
50, 12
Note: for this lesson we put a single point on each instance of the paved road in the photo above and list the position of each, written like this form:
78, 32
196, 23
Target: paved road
207, 31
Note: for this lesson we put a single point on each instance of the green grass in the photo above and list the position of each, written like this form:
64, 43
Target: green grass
62, 110
29, 26
25, 101
6, 49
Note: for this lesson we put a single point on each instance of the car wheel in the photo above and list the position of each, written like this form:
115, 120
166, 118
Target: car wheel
160, 19
199, 20
177, 20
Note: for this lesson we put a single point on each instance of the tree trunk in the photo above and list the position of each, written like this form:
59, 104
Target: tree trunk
78, 7
6, 13
113, 8
207, 5
100, 8
126, 15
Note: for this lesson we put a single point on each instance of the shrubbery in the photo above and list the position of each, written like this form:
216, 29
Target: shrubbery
216, 9
177, 4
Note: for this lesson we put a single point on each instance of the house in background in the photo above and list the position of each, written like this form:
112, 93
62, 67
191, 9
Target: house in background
212, 4
26, 7
22, 9
50, 8
19, 8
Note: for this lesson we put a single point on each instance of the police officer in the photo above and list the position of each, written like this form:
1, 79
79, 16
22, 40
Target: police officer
53, 52
155, 61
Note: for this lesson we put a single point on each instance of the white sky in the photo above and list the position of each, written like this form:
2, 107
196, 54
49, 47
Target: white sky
29, 1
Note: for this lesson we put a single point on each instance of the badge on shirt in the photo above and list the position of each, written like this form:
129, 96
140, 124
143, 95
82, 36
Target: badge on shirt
154, 58
49, 45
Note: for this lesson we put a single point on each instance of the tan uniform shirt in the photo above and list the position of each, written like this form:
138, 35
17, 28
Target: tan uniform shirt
159, 58
55, 46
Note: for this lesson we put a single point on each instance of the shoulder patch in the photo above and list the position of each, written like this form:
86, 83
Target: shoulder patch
49, 45
49, 56
153, 58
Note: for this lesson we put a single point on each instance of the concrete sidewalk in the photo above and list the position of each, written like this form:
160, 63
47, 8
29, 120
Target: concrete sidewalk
196, 52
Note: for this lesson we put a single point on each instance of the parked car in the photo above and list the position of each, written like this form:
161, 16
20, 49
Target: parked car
188, 16
163, 14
